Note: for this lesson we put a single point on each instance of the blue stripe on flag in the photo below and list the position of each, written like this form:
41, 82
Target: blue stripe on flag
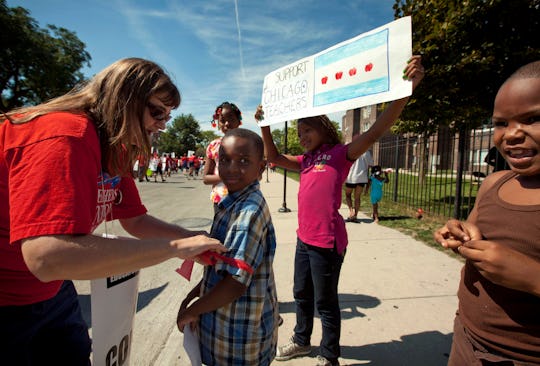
361, 45
373, 86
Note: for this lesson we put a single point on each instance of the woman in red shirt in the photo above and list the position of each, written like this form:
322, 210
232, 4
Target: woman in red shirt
94, 134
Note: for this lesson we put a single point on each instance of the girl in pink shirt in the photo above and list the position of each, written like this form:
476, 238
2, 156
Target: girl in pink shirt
322, 237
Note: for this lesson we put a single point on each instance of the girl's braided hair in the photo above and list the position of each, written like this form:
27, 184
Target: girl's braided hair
325, 126
220, 107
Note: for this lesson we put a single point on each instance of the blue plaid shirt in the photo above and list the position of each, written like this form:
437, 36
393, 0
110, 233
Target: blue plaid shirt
243, 332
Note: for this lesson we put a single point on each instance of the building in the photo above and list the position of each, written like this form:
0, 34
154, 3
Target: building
412, 152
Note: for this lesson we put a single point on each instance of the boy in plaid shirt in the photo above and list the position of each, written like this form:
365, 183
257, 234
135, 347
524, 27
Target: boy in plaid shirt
237, 311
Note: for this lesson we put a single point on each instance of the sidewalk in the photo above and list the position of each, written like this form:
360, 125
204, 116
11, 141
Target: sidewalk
397, 295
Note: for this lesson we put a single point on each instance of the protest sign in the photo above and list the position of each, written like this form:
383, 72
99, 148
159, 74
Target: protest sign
364, 70
113, 304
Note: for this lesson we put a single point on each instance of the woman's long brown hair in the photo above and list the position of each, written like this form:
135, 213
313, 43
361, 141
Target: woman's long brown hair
115, 100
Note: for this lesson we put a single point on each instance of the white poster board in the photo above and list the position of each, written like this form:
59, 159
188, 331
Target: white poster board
113, 304
191, 345
364, 70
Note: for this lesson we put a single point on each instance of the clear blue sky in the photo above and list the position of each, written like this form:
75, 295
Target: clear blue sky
215, 50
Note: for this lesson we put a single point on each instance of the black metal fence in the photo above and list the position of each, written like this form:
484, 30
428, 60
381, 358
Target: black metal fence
440, 174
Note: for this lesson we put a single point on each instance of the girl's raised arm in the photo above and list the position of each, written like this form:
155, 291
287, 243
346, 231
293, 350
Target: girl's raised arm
414, 72
272, 154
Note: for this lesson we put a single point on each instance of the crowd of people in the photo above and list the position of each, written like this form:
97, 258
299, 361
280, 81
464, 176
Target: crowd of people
102, 133
165, 165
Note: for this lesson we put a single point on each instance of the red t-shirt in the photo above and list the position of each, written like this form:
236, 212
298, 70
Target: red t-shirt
50, 184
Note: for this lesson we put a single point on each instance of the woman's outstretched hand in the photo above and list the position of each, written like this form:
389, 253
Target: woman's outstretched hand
190, 248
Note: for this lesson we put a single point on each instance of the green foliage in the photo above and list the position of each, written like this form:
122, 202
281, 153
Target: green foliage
181, 135
207, 137
468, 49
37, 63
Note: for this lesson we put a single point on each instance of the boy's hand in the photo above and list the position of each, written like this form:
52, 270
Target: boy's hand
455, 233
502, 265
184, 318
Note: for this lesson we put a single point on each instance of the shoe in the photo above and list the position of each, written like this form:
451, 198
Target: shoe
323, 361
291, 350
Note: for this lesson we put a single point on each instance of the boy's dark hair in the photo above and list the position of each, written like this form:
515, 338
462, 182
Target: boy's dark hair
251, 136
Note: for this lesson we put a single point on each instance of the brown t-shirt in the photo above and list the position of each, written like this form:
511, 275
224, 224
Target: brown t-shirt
503, 320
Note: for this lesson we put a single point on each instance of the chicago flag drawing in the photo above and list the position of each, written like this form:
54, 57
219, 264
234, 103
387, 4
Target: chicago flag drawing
354, 70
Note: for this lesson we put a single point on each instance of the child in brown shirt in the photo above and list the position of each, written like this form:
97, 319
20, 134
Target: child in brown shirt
498, 320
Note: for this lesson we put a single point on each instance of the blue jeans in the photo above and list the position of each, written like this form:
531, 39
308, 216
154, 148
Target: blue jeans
316, 276
50, 332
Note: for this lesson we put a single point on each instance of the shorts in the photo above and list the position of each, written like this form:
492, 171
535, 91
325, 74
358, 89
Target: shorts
354, 185
50, 332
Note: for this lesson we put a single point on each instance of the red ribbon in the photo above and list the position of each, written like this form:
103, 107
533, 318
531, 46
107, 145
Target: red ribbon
211, 259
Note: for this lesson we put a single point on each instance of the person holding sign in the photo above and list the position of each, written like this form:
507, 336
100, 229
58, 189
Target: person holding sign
498, 322
322, 237
237, 312
94, 133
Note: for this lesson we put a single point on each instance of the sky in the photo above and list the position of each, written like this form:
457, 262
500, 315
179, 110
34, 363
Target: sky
214, 50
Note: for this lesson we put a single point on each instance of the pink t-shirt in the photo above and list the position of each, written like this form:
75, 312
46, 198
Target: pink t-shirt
322, 175
50, 184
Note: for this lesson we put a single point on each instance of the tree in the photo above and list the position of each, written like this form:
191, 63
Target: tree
468, 49
181, 135
206, 138
37, 64
293, 144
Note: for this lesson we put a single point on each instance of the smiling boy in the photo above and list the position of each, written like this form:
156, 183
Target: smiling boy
237, 310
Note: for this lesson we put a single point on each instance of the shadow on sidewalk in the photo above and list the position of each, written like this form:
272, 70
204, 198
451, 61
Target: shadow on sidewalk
426, 349
348, 303
393, 218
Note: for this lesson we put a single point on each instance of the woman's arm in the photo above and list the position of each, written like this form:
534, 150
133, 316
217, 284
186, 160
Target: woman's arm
146, 226
83, 257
